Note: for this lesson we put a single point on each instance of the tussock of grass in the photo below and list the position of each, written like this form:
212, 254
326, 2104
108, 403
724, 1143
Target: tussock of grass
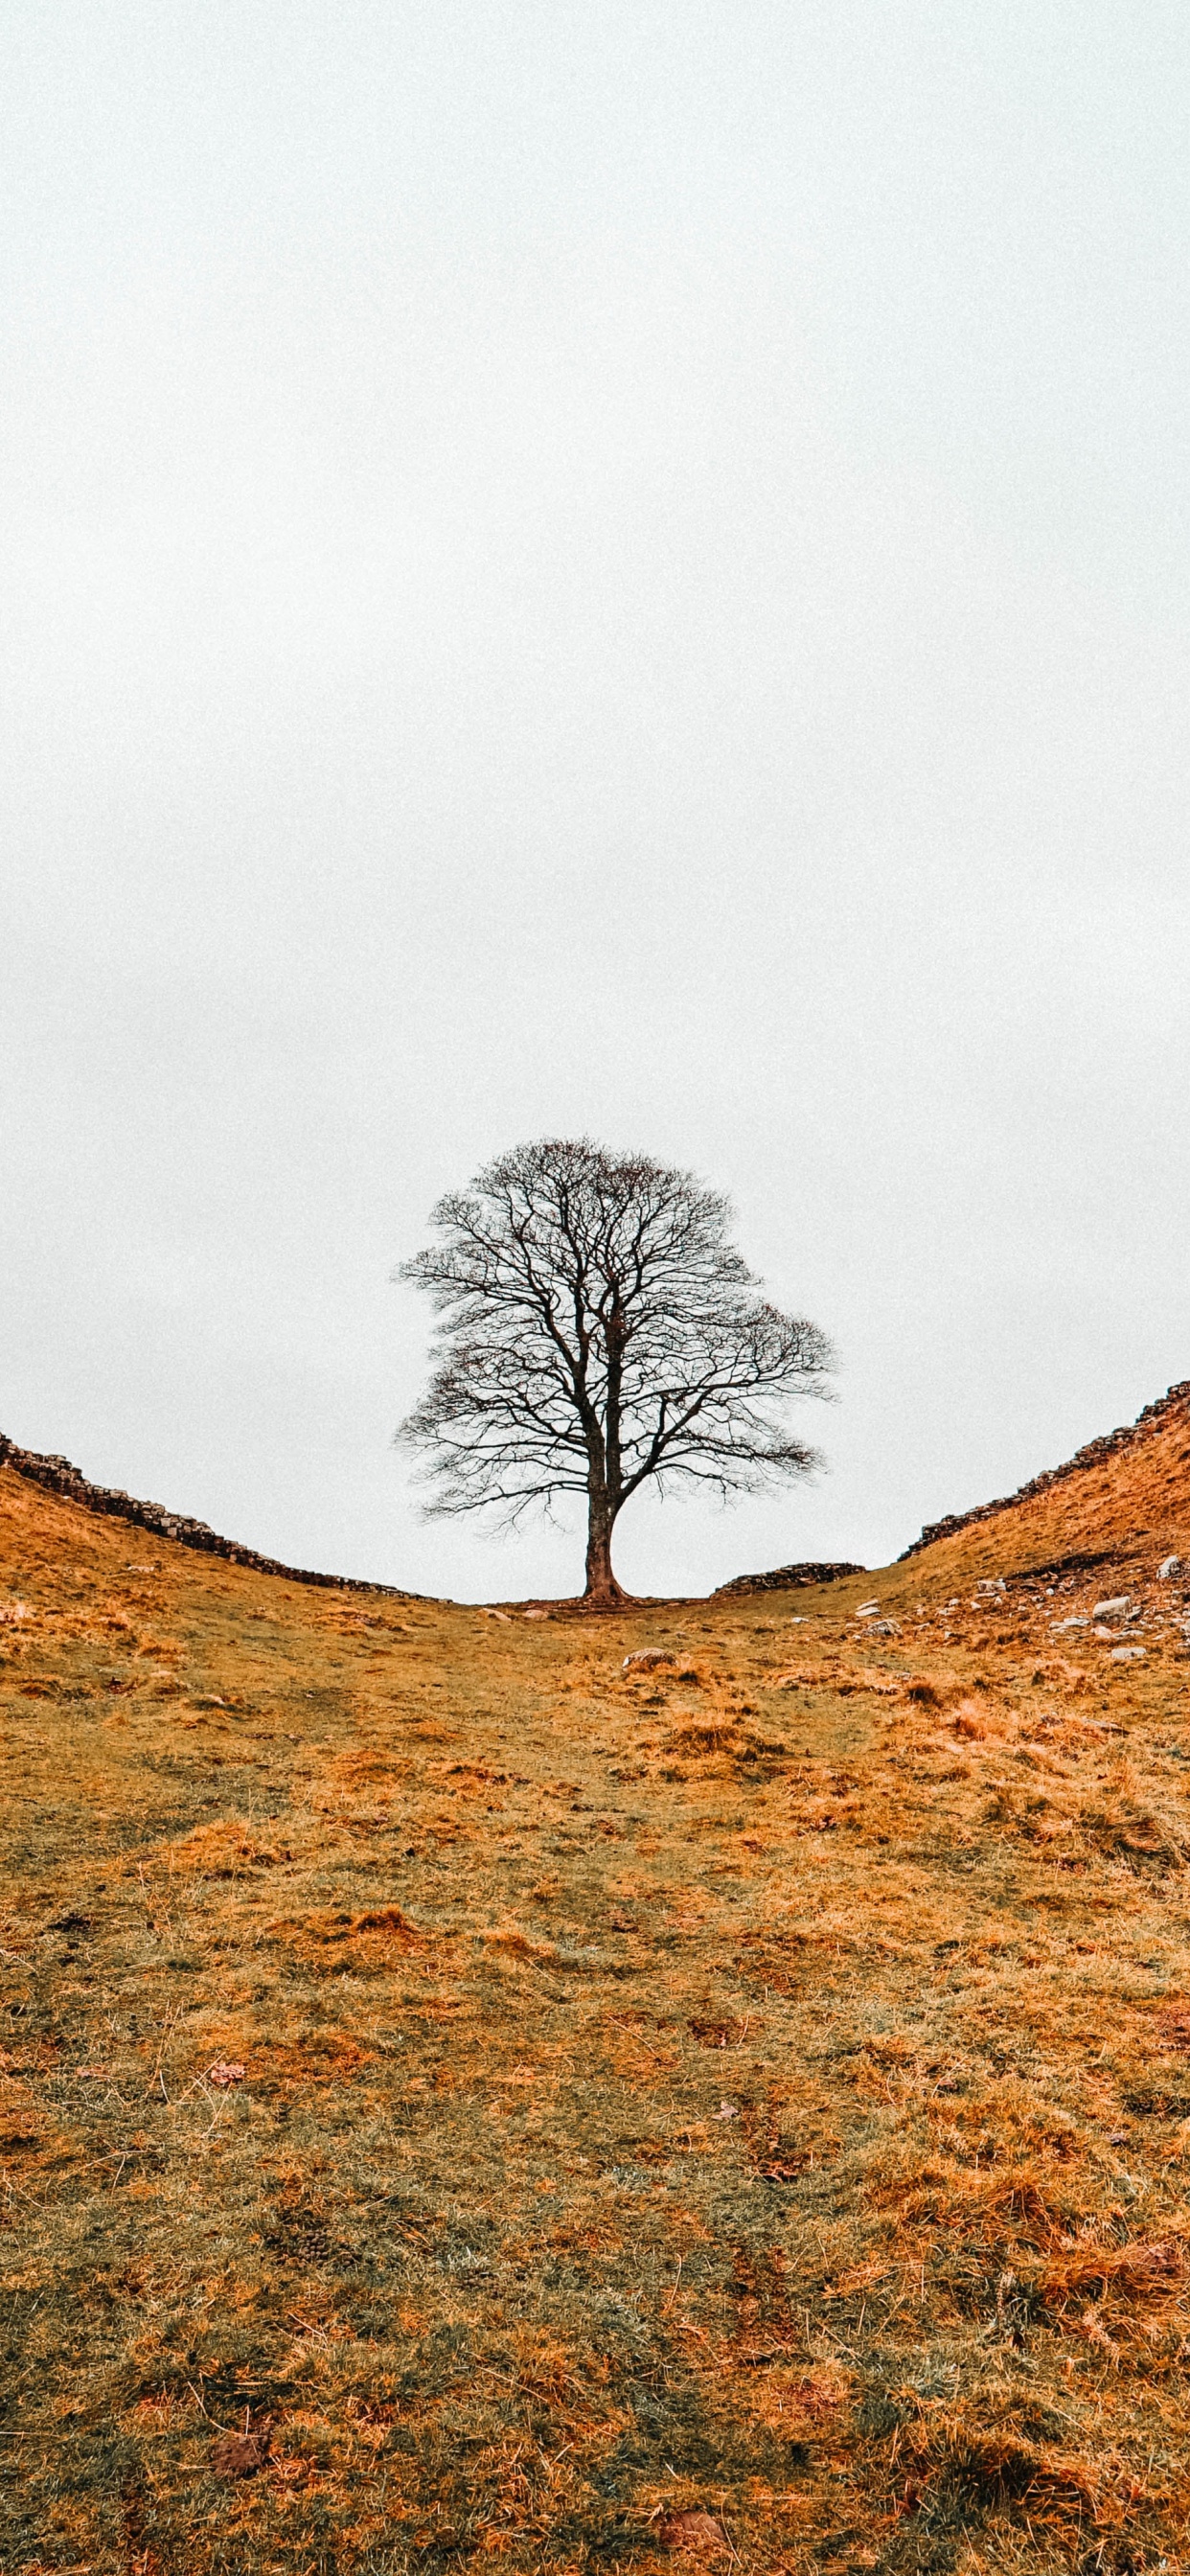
728, 2112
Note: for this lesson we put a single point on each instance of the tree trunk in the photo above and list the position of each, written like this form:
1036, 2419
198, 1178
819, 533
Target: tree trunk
602, 1587
603, 1473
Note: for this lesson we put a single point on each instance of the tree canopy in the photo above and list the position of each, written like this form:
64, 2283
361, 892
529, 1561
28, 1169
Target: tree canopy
598, 1330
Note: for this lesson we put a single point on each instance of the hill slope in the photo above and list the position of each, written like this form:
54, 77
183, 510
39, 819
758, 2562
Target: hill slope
58, 1476
1127, 1493
463, 2101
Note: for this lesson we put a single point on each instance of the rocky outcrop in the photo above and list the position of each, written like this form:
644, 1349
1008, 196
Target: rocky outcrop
1154, 1418
59, 1477
788, 1578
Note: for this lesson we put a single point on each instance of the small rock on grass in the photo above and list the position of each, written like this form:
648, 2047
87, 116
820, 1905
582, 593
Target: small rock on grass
240, 2455
694, 2531
1127, 1655
225, 2072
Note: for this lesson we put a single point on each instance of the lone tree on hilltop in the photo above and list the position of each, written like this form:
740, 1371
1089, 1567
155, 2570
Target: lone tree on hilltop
598, 1329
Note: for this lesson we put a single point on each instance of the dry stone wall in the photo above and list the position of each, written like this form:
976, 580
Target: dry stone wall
1153, 1418
58, 1476
788, 1578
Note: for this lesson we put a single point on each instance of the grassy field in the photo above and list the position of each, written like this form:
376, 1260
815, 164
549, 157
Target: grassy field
463, 2104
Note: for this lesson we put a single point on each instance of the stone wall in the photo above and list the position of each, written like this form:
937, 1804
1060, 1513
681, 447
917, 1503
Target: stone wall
59, 1477
788, 1578
1153, 1418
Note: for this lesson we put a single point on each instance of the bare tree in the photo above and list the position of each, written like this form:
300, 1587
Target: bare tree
598, 1330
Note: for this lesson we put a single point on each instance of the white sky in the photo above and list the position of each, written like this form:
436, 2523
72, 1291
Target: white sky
615, 568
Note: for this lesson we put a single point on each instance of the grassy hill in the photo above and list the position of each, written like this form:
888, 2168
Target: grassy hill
464, 2104
1126, 1494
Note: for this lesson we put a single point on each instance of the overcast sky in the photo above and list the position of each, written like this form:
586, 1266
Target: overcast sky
614, 568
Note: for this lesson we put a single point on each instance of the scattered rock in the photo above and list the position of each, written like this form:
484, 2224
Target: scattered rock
1060, 1624
691, 2531
1127, 1655
866, 1610
1113, 1609
651, 1661
1172, 1565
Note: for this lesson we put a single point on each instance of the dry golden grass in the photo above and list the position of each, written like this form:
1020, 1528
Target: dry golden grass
463, 2105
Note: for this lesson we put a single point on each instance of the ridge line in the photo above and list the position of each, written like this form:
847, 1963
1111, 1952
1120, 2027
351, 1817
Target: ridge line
58, 1476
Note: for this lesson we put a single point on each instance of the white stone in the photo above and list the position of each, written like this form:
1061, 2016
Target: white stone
1172, 1565
1127, 1655
1112, 1609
